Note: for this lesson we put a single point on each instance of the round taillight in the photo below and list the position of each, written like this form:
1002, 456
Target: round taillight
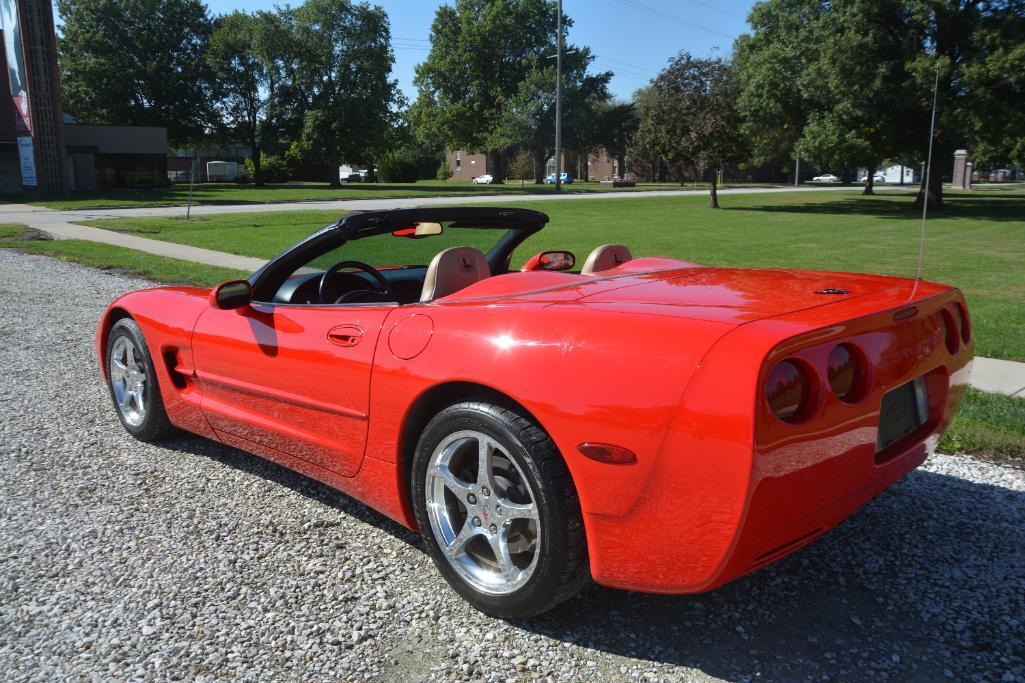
845, 373
966, 326
950, 334
788, 391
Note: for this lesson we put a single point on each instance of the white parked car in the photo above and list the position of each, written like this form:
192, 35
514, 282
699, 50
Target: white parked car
485, 179
825, 178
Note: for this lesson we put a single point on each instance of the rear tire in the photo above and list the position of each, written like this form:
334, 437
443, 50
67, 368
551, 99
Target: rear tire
132, 380
508, 536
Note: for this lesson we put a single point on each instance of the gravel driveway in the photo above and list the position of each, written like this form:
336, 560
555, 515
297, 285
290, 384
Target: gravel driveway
190, 560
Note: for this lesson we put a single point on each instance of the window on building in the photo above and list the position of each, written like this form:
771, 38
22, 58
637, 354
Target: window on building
459, 158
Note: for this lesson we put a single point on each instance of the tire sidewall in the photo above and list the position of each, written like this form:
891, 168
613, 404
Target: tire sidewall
151, 392
537, 591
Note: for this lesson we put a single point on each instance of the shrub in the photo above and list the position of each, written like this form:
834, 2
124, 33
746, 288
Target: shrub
444, 170
273, 167
396, 168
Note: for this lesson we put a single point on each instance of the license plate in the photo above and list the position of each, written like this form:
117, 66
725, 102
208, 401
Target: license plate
903, 410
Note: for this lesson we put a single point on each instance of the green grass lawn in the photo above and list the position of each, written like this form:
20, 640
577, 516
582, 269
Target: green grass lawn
988, 425
977, 243
232, 193
119, 259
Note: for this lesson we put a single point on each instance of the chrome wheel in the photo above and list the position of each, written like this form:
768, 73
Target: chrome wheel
482, 512
128, 381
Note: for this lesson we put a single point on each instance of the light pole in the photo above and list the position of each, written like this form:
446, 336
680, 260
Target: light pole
558, 98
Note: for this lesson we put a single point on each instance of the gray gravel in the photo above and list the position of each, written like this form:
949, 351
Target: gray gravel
190, 560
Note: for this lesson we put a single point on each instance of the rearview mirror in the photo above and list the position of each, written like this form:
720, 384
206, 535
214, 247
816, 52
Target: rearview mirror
557, 260
232, 294
419, 230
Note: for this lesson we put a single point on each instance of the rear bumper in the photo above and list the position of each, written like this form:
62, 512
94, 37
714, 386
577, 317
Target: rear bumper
730, 494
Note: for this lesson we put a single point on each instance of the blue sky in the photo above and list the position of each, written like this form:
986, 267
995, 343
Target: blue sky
632, 38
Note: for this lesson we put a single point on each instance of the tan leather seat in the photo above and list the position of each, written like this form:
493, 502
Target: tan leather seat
605, 257
452, 270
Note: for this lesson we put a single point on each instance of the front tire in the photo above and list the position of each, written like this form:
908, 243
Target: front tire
498, 510
132, 380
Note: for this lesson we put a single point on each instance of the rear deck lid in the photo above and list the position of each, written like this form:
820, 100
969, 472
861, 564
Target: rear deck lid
736, 295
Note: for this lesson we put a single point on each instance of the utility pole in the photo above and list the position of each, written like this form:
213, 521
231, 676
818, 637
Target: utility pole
797, 172
558, 99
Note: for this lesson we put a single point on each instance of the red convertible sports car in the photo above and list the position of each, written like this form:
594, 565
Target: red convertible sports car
648, 423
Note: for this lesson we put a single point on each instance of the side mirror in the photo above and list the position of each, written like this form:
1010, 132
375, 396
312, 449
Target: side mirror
232, 294
556, 260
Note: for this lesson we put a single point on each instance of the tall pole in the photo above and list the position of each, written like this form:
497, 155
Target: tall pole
797, 172
558, 99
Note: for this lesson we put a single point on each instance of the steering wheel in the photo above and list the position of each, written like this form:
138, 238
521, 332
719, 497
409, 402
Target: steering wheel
382, 284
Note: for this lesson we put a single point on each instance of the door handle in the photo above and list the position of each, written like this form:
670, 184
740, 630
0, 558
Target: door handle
345, 335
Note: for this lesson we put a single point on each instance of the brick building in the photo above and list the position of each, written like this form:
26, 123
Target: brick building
43, 152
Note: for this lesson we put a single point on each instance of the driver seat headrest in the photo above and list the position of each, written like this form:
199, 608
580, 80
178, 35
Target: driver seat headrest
605, 257
452, 270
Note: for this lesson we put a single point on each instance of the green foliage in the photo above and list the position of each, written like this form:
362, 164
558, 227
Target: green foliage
444, 171
275, 169
694, 119
397, 168
240, 59
340, 60
137, 62
489, 83
850, 82
522, 167
617, 126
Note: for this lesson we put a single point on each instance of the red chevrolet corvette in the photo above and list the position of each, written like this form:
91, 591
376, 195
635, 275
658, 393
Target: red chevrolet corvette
648, 423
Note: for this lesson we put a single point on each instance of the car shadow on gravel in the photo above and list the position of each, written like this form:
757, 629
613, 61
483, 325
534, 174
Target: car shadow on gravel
926, 582
301, 484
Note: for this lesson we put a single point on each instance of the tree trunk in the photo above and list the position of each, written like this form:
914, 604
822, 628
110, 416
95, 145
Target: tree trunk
495, 166
257, 165
713, 197
869, 182
935, 189
336, 162
621, 163
539, 167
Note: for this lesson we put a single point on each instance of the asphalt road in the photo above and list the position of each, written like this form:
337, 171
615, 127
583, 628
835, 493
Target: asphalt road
190, 560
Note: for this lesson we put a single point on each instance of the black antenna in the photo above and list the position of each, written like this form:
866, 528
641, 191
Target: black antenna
928, 169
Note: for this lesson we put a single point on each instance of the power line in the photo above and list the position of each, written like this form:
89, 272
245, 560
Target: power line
718, 9
627, 64
672, 17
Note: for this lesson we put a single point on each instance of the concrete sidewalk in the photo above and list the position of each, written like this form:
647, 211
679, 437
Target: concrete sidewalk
999, 376
31, 215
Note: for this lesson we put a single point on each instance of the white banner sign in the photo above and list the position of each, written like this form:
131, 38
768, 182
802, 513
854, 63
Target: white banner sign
28, 161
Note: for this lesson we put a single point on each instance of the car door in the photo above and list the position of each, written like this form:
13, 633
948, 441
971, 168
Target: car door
294, 378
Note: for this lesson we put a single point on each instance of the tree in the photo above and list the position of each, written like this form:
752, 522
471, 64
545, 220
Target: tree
522, 167
841, 65
996, 125
482, 51
241, 60
771, 64
137, 62
646, 161
859, 71
617, 125
339, 64
444, 170
694, 119
529, 117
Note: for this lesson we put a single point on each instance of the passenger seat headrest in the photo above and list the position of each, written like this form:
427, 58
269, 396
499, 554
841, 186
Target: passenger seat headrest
605, 257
